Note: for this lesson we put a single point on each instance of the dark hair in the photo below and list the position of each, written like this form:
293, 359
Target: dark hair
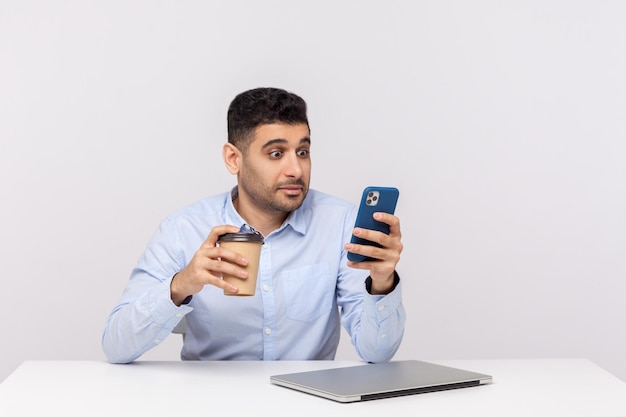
260, 106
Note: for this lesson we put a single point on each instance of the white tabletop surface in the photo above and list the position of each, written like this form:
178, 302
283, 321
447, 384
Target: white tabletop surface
524, 387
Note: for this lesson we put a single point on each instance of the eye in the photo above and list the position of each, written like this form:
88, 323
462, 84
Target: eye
303, 153
275, 154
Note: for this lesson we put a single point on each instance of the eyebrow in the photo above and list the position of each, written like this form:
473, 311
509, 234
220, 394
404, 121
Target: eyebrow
283, 141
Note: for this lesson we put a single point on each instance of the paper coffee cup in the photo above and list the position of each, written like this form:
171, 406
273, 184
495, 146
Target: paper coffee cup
247, 245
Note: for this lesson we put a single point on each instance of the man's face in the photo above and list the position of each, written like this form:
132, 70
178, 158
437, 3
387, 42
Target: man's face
276, 168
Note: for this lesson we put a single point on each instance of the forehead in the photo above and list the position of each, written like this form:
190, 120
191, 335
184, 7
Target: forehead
280, 133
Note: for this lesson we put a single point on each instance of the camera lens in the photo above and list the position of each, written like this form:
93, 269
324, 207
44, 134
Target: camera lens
370, 194
375, 198
369, 201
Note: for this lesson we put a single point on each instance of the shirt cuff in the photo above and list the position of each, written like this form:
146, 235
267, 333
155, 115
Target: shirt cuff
396, 281
381, 307
162, 308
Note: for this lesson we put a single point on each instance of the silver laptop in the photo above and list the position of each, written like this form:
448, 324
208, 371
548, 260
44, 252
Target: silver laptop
380, 380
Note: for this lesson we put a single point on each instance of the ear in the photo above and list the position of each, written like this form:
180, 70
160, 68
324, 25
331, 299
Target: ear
232, 158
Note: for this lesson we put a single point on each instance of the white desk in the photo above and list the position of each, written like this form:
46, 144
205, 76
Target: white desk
550, 387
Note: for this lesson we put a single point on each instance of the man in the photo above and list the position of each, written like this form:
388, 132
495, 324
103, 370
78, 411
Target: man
306, 285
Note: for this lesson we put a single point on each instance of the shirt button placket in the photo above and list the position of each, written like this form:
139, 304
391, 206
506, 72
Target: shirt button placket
269, 309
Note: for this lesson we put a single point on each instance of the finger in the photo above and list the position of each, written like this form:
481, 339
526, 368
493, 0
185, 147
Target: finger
217, 281
390, 249
210, 272
359, 265
366, 250
216, 232
377, 269
227, 255
391, 220
210, 263
221, 267
372, 235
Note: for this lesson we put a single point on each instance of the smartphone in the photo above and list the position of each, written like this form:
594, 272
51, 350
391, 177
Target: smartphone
374, 199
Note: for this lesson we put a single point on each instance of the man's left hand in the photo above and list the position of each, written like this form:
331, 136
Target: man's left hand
386, 257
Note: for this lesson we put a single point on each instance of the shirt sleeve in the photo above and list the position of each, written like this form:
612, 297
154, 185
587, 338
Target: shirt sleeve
145, 315
381, 326
375, 323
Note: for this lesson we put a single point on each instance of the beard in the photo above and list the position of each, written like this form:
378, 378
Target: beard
270, 198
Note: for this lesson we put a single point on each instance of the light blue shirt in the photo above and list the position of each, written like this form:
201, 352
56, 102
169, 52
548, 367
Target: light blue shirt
304, 292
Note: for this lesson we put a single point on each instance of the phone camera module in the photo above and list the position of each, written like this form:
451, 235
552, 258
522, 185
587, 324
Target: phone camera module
372, 198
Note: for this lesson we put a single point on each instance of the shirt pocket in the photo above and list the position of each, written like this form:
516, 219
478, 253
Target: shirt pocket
309, 292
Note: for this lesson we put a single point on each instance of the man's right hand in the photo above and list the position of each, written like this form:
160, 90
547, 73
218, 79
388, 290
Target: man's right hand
207, 266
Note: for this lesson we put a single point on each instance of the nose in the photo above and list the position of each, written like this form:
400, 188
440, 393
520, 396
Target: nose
293, 166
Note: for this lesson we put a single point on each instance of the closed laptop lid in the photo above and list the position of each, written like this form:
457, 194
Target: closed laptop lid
380, 380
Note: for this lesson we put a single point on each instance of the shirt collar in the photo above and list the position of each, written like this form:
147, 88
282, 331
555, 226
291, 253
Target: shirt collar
296, 219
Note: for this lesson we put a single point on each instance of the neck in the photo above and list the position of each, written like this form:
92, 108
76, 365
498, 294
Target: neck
262, 220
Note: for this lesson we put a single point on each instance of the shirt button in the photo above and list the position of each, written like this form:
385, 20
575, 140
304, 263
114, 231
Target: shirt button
268, 330
157, 341
178, 315
381, 308
382, 336
266, 287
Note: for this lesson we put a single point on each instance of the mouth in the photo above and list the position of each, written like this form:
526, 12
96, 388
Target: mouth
291, 189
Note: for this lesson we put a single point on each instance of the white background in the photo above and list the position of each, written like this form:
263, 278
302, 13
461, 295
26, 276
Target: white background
503, 124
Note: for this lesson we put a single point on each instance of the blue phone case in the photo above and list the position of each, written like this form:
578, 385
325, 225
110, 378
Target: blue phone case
374, 199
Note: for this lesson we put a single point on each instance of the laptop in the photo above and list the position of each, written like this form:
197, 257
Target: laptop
380, 380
